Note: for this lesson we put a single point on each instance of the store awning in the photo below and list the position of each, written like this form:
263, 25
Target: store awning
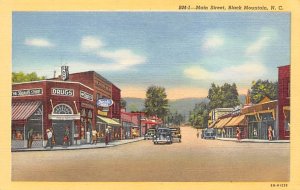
109, 121
222, 122
236, 121
150, 122
21, 111
213, 124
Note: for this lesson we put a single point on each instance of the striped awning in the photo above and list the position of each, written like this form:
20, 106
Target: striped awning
222, 123
21, 111
236, 121
109, 121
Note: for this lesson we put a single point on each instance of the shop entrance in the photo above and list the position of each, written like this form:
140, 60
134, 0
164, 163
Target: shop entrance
59, 127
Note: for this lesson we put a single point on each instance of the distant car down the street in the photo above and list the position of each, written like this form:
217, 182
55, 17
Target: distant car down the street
176, 135
163, 135
208, 133
149, 134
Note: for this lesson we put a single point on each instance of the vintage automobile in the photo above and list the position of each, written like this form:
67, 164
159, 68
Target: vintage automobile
149, 134
176, 135
163, 135
208, 133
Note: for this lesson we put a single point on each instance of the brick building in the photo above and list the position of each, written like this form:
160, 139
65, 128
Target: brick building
284, 101
41, 105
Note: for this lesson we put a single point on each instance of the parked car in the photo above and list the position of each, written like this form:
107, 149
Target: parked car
163, 135
149, 134
208, 133
176, 134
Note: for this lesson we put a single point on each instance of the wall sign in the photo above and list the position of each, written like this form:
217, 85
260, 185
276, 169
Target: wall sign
27, 92
104, 102
62, 92
64, 72
86, 95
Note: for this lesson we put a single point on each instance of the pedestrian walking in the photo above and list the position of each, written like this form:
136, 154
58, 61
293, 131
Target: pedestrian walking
88, 136
53, 139
94, 137
29, 138
106, 136
66, 141
49, 139
270, 133
238, 134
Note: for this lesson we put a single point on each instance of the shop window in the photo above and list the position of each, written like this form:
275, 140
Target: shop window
90, 114
62, 109
83, 114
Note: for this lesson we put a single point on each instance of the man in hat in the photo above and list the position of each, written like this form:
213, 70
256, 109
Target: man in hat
29, 138
49, 137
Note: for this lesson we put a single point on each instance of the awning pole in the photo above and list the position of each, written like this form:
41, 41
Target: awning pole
42, 125
24, 137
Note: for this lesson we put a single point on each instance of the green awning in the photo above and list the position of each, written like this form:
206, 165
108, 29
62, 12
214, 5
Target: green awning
109, 121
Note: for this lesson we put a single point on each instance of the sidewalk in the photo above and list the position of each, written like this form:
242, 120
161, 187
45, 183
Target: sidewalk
254, 140
84, 146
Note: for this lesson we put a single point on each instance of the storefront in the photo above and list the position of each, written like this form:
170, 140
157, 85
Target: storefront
108, 127
27, 116
259, 124
230, 128
261, 120
50, 104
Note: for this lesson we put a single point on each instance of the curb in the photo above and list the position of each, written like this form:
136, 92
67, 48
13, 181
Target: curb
254, 141
76, 147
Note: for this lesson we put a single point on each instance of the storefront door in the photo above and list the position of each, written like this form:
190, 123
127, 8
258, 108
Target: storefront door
59, 127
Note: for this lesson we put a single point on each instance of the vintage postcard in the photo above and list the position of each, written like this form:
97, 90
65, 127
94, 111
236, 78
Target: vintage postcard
149, 95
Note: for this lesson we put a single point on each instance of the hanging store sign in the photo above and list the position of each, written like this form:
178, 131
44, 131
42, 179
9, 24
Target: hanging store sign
64, 116
27, 92
102, 113
62, 92
104, 102
86, 95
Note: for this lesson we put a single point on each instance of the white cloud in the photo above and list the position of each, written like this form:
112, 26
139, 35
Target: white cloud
240, 73
123, 57
213, 42
265, 38
91, 43
38, 42
111, 60
258, 46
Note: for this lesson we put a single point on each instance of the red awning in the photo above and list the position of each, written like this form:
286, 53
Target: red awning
150, 122
21, 111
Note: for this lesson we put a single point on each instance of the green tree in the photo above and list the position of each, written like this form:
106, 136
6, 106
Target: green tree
199, 115
224, 96
156, 102
123, 103
22, 77
263, 88
175, 118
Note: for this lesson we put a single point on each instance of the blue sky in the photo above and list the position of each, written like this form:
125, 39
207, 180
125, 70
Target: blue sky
183, 51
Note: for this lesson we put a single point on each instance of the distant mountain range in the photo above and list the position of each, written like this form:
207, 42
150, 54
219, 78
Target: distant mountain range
183, 106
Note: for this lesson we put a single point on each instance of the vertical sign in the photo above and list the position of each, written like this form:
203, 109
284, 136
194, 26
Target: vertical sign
64, 72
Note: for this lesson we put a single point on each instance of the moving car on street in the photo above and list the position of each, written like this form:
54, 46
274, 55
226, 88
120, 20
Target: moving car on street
163, 135
150, 133
176, 135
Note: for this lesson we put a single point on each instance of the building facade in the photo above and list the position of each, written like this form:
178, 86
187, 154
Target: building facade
104, 116
49, 104
284, 101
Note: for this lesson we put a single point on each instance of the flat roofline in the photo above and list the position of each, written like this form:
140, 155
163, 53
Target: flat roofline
284, 66
72, 82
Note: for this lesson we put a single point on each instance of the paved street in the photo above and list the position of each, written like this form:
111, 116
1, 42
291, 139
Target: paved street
192, 160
